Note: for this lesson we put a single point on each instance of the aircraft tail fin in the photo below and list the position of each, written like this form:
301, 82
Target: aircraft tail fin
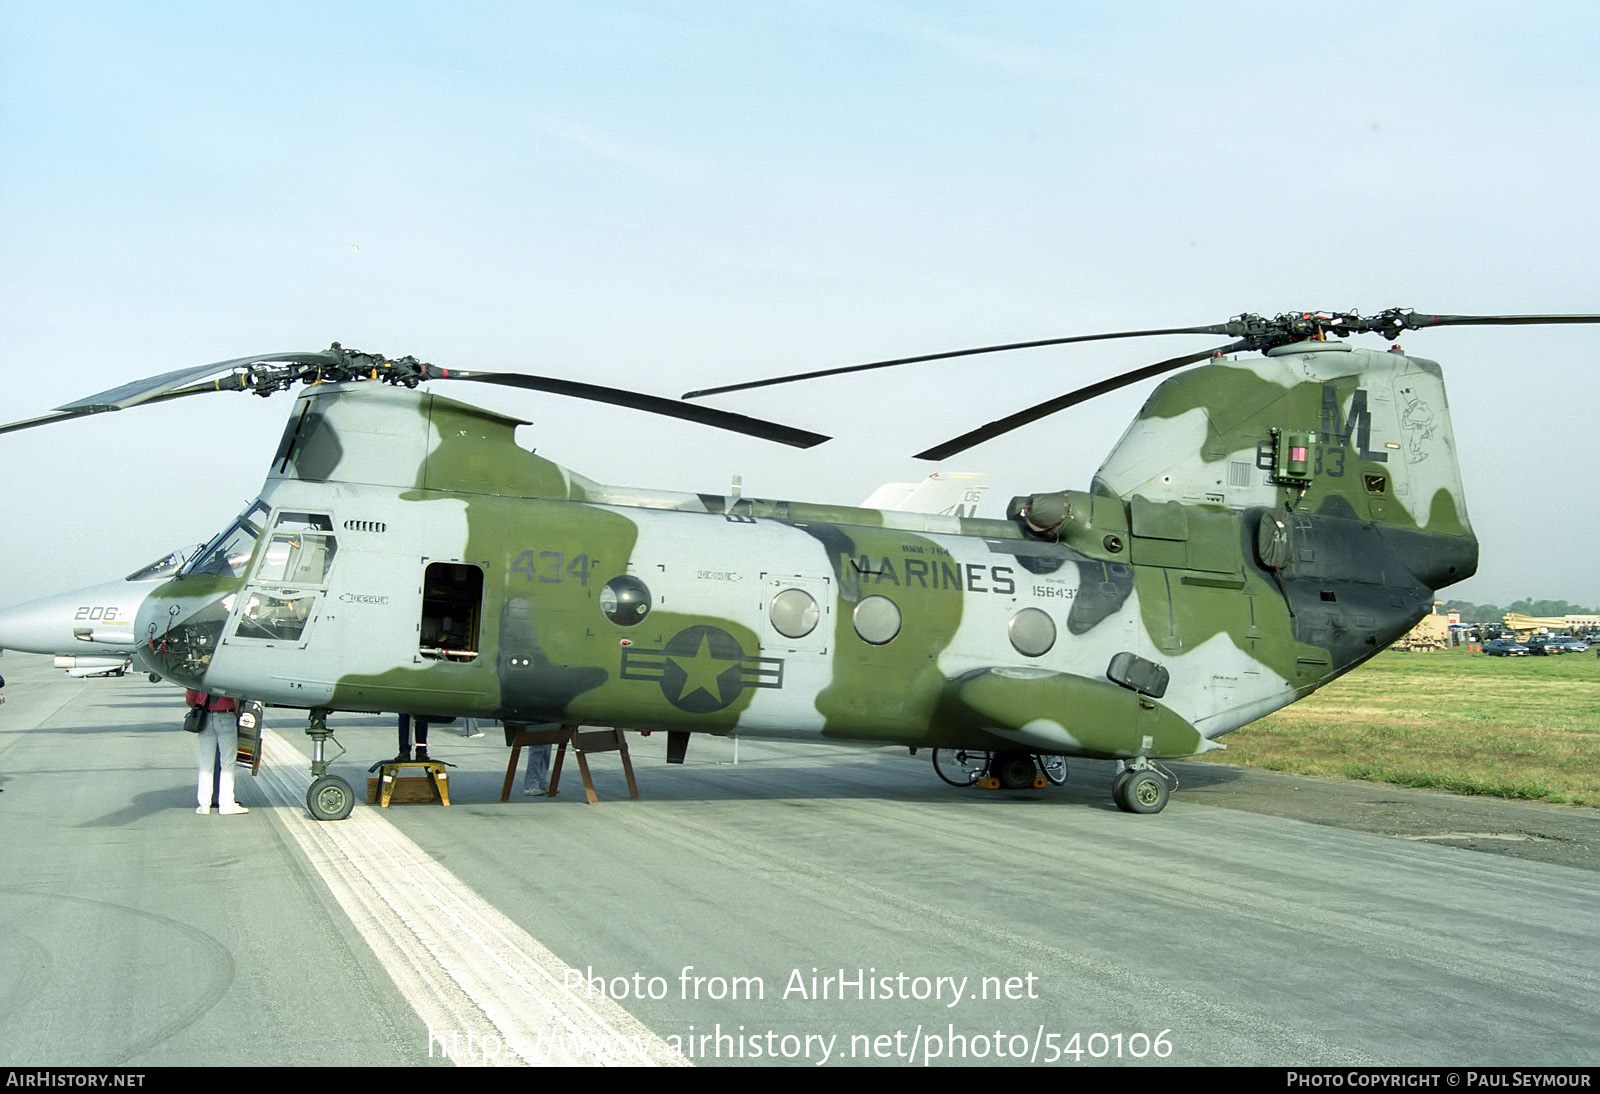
1320, 481
1313, 435
952, 493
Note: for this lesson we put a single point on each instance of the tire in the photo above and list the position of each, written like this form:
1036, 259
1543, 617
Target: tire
330, 798
1015, 770
959, 766
1145, 792
1054, 768
1119, 788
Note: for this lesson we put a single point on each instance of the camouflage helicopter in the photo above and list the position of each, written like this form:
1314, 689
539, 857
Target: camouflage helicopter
1263, 526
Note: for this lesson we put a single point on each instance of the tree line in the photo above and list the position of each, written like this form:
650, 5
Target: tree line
1494, 613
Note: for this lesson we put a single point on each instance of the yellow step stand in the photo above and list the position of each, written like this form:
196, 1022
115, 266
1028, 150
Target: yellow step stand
393, 784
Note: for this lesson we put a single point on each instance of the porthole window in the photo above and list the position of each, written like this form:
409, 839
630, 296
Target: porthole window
625, 600
794, 613
877, 620
1033, 632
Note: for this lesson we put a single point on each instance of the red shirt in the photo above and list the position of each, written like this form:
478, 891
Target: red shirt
219, 702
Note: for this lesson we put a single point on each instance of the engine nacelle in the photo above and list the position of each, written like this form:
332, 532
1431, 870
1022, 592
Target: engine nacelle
1052, 516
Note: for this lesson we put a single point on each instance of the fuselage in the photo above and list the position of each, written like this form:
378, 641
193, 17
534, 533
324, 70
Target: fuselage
406, 555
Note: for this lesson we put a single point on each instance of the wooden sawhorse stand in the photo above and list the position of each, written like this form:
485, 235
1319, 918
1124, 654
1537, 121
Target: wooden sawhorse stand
595, 740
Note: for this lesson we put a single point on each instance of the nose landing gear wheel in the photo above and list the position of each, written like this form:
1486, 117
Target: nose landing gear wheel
1140, 792
330, 798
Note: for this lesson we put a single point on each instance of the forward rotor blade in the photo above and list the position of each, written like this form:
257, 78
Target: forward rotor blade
1213, 329
167, 385
654, 404
275, 372
45, 419
1021, 418
142, 391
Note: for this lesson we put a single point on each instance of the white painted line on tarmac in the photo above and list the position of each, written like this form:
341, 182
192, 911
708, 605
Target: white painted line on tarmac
486, 990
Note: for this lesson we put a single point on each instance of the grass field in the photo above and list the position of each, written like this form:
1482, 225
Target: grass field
1515, 727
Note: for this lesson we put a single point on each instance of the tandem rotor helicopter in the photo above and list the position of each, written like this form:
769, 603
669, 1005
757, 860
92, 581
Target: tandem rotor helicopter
1264, 525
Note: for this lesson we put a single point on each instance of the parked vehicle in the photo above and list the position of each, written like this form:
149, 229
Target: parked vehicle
1552, 644
1505, 647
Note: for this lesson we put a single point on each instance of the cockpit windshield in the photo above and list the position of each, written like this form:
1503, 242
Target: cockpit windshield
228, 555
165, 566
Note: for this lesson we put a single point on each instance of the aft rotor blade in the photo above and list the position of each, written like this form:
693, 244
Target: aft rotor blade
654, 404
1416, 321
1021, 418
1213, 329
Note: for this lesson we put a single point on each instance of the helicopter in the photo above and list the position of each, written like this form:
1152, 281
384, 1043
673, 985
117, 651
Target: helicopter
1264, 525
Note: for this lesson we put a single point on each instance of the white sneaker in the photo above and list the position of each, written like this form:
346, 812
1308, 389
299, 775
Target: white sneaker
232, 809
204, 811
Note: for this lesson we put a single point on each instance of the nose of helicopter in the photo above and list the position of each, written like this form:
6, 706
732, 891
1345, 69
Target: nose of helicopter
179, 633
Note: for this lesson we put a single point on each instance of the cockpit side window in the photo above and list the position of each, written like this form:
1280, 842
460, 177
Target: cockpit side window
300, 551
297, 558
275, 618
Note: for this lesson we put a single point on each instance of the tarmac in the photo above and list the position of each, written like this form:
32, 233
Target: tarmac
805, 905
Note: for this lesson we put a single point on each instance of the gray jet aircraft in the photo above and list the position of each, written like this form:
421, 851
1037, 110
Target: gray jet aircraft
89, 631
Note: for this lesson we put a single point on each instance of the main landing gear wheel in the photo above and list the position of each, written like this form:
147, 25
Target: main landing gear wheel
1014, 770
959, 766
330, 798
1143, 791
1054, 768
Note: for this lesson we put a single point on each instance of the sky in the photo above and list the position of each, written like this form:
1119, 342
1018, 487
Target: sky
664, 196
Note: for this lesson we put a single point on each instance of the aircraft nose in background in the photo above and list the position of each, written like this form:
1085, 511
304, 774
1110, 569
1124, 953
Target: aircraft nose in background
95, 620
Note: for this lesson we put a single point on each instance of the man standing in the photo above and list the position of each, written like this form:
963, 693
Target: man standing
216, 747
